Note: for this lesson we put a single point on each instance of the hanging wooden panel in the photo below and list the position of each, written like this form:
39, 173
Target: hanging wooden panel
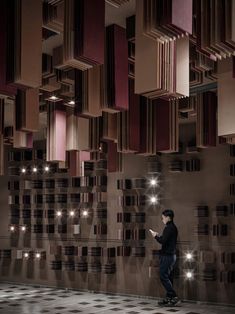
84, 29
206, 125
116, 69
1, 137
159, 126
165, 70
114, 159
109, 126
95, 128
77, 133
89, 91
214, 28
128, 123
4, 87
53, 16
26, 70
75, 162
2, 103
134, 118
143, 124
163, 18
226, 94
56, 134
27, 110
22, 139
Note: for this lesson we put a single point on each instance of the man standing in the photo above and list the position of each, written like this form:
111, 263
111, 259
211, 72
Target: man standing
167, 256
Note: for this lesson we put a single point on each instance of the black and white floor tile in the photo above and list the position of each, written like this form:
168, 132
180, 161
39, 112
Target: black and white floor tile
22, 299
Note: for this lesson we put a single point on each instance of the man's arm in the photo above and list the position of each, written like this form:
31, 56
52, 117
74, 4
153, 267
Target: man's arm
167, 232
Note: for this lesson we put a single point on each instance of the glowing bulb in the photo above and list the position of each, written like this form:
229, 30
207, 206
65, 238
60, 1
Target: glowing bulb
23, 170
35, 169
46, 168
12, 228
26, 255
84, 213
189, 256
59, 213
38, 255
153, 182
71, 213
189, 275
23, 228
71, 102
153, 199
53, 97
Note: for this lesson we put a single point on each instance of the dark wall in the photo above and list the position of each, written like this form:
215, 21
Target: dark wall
182, 191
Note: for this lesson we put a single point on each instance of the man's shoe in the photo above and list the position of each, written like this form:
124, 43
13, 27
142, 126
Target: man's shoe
174, 301
164, 302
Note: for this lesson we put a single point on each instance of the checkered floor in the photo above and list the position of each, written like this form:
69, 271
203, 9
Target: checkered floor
23, 299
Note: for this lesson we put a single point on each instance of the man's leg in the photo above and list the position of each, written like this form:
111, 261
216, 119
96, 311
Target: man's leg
171, 276
166, 266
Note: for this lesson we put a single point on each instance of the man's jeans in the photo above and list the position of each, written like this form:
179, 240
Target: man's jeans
167, 263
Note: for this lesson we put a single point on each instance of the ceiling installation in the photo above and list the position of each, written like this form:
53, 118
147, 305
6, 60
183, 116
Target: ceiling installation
79, 73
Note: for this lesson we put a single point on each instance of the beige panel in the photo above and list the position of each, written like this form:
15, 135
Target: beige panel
146, 55
226, 104
182, 66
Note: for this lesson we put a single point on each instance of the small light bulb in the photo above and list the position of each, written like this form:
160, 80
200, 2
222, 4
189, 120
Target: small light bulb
35, 169
153, 182
23, 170
189, 256
12, 228
23, 228
46, 168
71, 213
153, 200
84, 213
53, 97
189, 275
59, 213
38, 255
71, 102
26, 255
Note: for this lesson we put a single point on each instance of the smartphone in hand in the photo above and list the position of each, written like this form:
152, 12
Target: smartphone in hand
153, 233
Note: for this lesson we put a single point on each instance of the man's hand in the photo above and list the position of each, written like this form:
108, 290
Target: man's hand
153, 233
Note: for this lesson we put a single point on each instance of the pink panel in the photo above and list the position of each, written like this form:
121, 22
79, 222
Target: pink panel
182, 12
94, 29
59, 135
85, 156
29, 140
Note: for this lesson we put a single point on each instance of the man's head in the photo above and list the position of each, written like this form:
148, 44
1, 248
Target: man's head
167, 215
